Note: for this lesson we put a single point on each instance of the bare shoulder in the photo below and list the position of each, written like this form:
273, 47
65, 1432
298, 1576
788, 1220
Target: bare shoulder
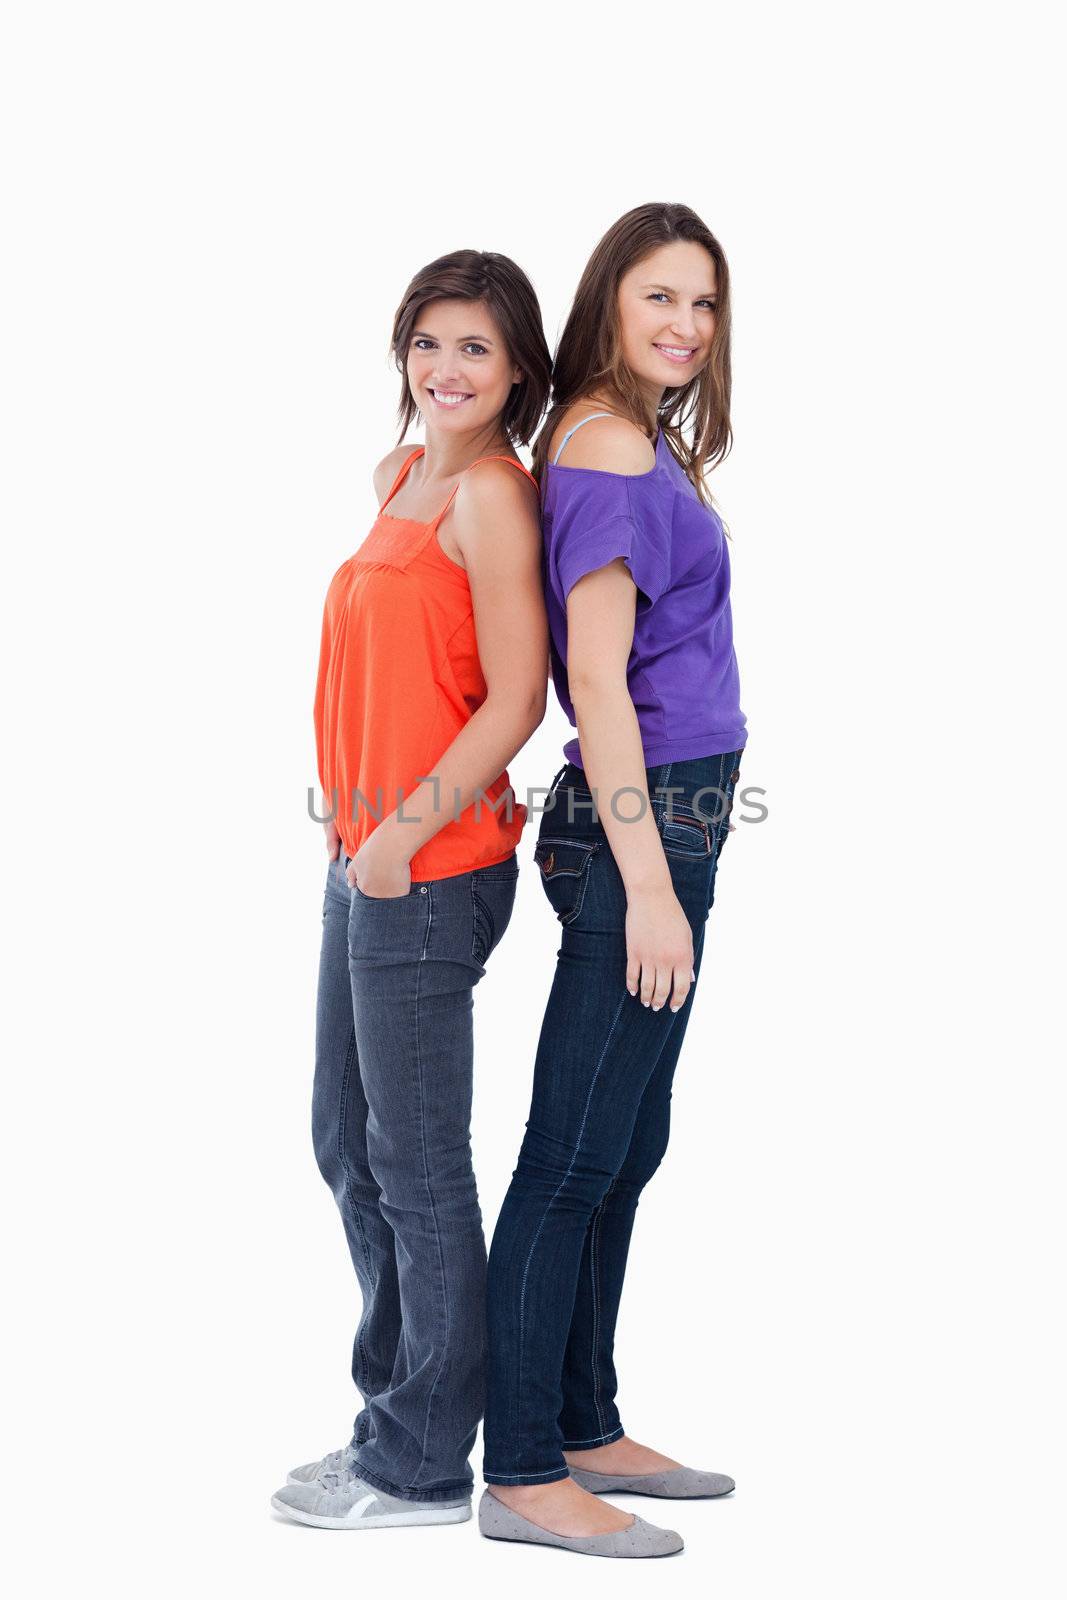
605, 444
494, 498
388, 467
495, 489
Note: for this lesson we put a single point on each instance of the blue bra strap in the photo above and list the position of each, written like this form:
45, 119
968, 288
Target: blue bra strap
577, 425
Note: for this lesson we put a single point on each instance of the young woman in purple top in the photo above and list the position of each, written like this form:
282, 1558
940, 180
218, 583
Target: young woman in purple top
637, 582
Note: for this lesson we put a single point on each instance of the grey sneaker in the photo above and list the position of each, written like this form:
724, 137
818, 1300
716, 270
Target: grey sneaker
641, 1538
678, 1483
342, 1460
341, 1500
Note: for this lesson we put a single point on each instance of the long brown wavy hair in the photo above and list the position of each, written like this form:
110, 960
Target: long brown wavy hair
496, 281
589, 354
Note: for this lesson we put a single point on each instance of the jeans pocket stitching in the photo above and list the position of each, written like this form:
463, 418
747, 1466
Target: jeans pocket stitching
583, 882
692, 827
590, 849
483, 927
545, 857
382, 899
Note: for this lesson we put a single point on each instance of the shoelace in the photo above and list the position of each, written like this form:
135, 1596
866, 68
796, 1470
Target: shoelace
332, 1482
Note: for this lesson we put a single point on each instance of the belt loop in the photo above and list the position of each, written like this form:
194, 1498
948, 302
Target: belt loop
559, 775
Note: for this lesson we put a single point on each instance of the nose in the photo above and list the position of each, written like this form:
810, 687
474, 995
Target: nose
685, 329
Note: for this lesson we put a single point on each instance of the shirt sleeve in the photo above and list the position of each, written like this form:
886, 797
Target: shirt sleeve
592, 528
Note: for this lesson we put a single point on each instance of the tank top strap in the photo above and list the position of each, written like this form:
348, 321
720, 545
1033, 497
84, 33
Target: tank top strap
572, 431
511, 461
402, 474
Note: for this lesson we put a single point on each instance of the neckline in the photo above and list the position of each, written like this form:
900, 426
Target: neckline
415, 522
389, 516
601, 472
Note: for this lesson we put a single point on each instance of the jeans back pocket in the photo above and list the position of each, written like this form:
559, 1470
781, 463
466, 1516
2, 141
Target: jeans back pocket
564, 865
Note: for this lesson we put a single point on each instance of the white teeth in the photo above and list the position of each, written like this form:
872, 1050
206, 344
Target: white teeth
672, 350
446, 397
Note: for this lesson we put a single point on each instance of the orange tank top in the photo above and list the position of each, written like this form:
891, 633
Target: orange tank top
399, 676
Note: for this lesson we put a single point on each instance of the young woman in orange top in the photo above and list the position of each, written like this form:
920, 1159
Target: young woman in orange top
432, 674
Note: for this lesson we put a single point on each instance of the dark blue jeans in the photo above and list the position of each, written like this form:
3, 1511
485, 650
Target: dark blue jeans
597, 1131
391, 1111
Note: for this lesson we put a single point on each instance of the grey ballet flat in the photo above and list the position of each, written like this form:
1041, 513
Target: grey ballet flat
679, 1483
641, 1538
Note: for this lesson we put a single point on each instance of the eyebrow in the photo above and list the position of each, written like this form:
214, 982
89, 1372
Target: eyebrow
712, 294
481, 338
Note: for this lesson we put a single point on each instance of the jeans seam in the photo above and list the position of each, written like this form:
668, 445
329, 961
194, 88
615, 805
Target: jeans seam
479, 905
722, 820
594, 1274
583, 882
372, 1276
583, 879
433, 1208
548, 1208
429, 925
603, 1438
553, 1472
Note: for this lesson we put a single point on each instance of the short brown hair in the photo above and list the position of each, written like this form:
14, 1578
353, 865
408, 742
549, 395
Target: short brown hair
497, 282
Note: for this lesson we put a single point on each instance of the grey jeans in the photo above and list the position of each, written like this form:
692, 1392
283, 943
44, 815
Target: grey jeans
391, 1112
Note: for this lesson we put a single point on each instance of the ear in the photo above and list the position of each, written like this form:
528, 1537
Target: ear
517, 376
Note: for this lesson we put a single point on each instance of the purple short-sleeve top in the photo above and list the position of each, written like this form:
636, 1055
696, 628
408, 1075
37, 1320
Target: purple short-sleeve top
682, 672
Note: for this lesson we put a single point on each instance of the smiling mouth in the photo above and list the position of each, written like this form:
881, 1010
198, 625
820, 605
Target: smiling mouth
450, 398
679, 353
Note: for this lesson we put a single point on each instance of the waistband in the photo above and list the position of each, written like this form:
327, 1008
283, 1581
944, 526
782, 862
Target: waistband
682, 778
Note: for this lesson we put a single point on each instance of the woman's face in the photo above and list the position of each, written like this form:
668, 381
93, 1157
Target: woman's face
667, 315
458, 366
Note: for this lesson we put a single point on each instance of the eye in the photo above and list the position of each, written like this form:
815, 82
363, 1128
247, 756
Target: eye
476, 349
422, 344
658, 294
709, 303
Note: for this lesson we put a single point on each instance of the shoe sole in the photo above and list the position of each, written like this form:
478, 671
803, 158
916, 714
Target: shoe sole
720, 1494
390, 1519
568, 1549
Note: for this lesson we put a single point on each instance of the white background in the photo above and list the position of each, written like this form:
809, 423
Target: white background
843, 1281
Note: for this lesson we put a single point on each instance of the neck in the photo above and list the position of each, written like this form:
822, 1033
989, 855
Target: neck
447, 454
652, 396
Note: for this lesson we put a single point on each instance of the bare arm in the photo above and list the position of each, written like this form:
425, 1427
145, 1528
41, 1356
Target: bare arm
496, 527
600, 626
